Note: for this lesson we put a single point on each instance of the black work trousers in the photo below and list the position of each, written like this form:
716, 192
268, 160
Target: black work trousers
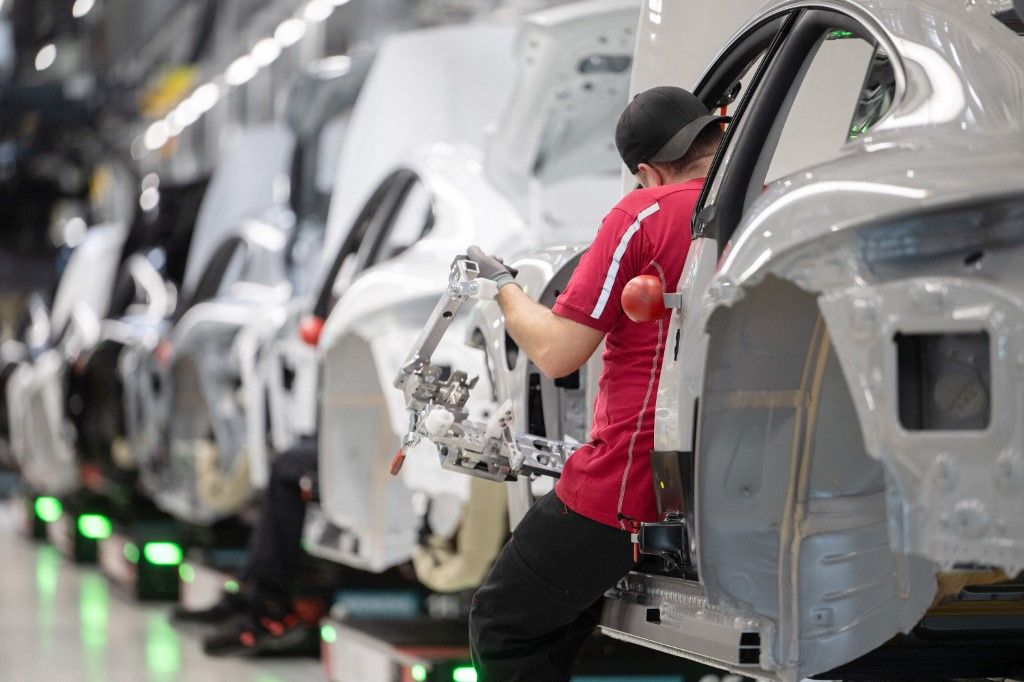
543, 596
275, 548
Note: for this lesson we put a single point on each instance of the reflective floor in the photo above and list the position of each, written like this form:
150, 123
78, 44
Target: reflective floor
63, 623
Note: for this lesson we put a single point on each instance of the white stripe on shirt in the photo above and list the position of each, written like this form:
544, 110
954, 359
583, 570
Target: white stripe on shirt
613, 269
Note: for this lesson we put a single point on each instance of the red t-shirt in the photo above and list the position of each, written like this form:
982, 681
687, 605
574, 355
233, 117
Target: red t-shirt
609, 479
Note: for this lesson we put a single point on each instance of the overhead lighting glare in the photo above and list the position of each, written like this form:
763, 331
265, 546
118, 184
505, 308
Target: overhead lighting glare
266, 52
82, 7
74, 231
149, 199
157, 135
185, 114
173, 127
317, 10
241, 71
338, 3
205, 97
46, 56
333, 67
289, 32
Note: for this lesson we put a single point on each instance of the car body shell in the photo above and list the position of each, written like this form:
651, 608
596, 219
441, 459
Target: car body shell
282, 383
573, 69
42, 440
819, 521
234, 266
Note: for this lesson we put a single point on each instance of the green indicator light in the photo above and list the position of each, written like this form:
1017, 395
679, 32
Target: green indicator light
330, 635
419, 673
464, 674
187, 573
131, 552
840, 35
48, 509
95, 526
232, 586
162, 553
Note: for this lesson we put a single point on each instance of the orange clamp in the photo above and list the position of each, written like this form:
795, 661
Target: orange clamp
397, 461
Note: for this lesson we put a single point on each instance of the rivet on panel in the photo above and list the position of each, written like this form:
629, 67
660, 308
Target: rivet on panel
970, 519
945, 474
863, 319
1009, 473
822, 617
740, 586
929, 297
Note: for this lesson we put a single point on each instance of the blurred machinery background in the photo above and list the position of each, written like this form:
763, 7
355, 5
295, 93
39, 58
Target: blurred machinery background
102, 102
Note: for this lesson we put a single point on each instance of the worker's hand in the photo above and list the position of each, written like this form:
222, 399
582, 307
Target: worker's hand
490, 267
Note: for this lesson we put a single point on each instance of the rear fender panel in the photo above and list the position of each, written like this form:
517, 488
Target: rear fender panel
957, 496
790, 507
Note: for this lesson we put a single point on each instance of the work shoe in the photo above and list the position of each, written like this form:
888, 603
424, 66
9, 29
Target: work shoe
231, 606
266, 635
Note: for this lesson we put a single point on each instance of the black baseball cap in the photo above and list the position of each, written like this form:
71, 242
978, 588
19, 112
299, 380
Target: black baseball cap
660, 125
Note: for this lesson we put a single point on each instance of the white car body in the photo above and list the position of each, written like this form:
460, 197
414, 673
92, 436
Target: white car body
214, 451
818, 517
838, 428
43, 444
547, 174
235, 253
385, 128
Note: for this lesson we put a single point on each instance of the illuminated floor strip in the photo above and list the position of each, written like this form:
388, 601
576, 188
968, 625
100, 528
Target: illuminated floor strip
62, 622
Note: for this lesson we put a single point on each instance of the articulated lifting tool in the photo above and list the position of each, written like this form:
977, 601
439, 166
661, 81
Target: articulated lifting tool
437, 403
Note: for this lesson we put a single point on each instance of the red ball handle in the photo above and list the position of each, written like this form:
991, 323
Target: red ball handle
310, 329
643, 299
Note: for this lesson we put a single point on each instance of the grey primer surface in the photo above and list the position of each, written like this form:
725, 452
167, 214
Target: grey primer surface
854, 364
841, 388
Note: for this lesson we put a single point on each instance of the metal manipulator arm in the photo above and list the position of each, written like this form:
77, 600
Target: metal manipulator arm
437, 404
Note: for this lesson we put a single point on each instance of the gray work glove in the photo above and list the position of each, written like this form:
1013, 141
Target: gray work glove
491, 268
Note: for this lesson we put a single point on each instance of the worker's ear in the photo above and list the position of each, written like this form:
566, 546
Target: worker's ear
649, 176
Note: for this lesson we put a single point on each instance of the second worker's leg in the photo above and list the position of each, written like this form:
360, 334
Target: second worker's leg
275, 548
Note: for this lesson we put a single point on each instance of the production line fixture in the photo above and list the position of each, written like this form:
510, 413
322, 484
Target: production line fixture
542, 173
436, 398
838, 433
187, 366
178, 389
43, 444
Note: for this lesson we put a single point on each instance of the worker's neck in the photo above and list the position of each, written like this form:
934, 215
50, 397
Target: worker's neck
698, 170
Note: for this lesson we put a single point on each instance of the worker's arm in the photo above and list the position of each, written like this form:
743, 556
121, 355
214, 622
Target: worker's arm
558, 346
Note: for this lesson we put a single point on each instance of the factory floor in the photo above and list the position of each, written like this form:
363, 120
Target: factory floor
64, 623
